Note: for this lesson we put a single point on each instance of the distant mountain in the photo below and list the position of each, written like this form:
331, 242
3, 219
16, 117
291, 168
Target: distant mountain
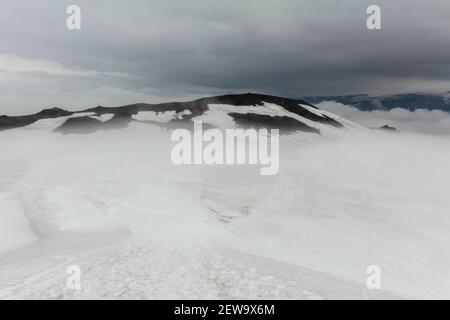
411, 102
240, 110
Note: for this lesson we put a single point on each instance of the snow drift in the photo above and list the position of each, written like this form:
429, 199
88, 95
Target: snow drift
140, 227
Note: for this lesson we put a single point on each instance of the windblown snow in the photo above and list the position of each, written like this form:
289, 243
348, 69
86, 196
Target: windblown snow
163, 117
140, 227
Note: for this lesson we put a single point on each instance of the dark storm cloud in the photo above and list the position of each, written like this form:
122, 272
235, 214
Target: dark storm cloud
130, 51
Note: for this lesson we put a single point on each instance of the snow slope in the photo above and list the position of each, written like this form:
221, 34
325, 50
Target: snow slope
219, 115
141, 227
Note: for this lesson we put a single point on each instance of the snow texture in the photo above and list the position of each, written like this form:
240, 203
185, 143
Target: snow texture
140, 227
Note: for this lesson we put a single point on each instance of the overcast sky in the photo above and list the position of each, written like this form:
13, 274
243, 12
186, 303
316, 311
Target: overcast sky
153, 51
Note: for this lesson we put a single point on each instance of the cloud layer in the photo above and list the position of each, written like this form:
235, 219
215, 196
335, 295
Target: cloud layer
435, 122
178, 50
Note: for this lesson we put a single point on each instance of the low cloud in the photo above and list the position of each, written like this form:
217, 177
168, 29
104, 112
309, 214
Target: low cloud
435, 122
17, 64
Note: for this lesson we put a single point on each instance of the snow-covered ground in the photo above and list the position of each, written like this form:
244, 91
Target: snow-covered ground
138, 226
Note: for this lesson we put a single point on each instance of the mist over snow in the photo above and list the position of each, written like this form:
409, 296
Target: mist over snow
433, 122
141, 227
87, 179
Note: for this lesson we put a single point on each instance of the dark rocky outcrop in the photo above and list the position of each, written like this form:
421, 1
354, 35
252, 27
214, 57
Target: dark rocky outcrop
387, 128
7, 122
80, 125
123, 115
284, 124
